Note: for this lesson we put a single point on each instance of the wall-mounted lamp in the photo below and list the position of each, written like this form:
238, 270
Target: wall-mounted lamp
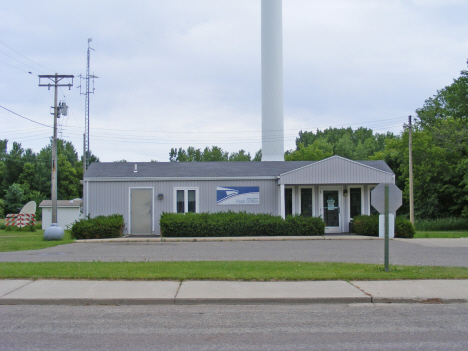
345, 192
160, 196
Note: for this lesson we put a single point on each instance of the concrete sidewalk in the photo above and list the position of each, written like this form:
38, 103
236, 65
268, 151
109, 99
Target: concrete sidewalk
79, 292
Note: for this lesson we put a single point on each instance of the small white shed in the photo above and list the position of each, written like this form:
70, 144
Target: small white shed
68, 211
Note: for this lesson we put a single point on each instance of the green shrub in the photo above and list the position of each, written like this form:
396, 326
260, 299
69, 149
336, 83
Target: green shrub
366, 225
303, 226
439, 224
369, 226
222, 224
98, 227
404, 228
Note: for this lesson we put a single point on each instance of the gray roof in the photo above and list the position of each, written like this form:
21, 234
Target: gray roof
204, 169
62, 203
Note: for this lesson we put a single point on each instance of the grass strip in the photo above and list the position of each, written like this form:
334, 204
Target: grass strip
223, 270
21, 240
441, 234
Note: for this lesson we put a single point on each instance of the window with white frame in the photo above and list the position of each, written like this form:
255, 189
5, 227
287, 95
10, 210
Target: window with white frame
185, 200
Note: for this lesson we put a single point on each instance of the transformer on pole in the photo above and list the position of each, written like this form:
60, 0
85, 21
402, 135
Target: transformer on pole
56, 232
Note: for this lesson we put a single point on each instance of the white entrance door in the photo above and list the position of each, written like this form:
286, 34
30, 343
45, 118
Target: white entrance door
330, 208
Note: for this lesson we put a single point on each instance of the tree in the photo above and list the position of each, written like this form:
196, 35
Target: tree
32, 172
258, 155
240, 156
359, 144
450, 102
2, 209
214, 154
13, 164
67, 181
178, 155
318, 150
14, 199
345, 147
90, 157
194, 155
3, 149
28, 175
3, 183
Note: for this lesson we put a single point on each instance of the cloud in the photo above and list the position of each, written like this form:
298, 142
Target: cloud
172, 73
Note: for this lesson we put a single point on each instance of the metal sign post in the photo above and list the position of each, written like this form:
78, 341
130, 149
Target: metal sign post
386, 259
386, 198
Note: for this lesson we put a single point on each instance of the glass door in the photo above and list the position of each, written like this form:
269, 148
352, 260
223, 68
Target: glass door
331, 202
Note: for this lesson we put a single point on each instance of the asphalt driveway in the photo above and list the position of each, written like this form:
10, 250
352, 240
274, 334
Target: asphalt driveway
431, 252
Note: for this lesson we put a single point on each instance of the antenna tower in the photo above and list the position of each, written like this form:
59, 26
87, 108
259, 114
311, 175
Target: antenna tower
86, 152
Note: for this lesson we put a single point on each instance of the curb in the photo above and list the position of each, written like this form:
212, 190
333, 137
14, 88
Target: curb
129, 239
430, 301
186, 301
227, 301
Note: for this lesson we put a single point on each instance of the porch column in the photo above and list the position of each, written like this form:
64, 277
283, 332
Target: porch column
282, 202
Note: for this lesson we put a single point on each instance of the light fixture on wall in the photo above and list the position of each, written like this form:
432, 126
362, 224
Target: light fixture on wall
160, 196
345, 192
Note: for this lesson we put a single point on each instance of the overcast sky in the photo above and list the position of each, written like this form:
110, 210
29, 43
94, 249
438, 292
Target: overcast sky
179, 73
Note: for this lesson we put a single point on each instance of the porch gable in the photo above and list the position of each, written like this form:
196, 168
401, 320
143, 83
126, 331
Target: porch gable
336, 170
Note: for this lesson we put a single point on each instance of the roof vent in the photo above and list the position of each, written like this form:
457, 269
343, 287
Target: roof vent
136, 169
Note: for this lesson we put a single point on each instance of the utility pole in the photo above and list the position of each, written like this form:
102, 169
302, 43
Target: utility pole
86, 93
411, 170
56, 78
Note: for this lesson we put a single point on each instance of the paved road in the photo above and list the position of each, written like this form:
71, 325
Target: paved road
440, 252
274, 327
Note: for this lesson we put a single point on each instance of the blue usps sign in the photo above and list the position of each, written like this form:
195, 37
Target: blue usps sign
238, 195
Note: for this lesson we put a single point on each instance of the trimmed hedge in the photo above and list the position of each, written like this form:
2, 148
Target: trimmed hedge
98, 227
222, 224
369, 226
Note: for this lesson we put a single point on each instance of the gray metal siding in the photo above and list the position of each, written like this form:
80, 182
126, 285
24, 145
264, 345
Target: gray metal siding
106, 198
336, 171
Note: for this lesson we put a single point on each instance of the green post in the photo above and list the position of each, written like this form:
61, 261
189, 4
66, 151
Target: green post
386, 227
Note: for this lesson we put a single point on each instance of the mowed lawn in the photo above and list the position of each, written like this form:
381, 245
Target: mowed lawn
441, 234
222, 270
16, 240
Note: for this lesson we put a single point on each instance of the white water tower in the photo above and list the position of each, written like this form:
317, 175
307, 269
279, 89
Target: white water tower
272, 81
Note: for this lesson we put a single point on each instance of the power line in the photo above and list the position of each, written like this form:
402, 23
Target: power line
70, 109
380, 123
20, 61
29, 119
19, 69
25, 56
